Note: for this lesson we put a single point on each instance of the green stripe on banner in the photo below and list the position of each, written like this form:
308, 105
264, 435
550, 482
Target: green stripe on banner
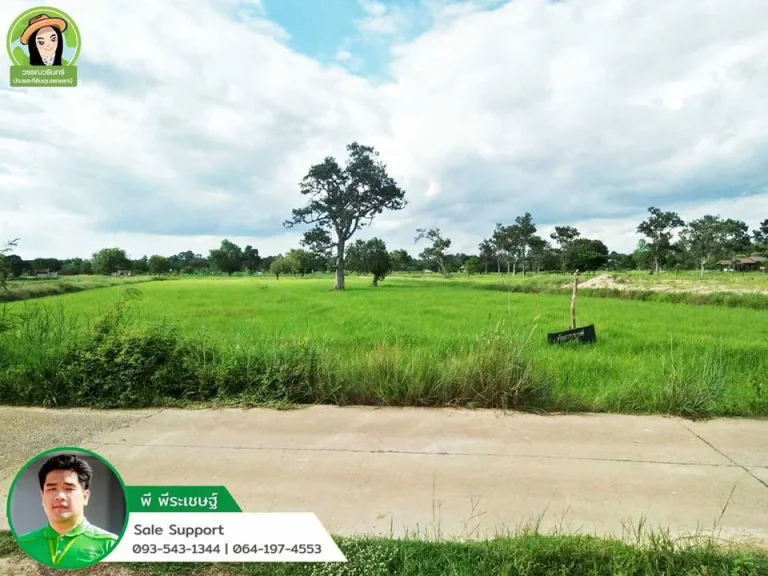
180, 499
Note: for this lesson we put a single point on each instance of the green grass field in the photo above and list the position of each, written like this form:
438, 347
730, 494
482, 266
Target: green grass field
415, 342
522, 555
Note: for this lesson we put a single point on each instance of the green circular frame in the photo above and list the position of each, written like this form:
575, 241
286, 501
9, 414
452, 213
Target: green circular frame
68, 449
51, 12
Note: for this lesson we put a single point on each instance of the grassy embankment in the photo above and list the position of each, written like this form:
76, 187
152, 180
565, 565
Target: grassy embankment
523, 555
409, 342
741, 290
28, 289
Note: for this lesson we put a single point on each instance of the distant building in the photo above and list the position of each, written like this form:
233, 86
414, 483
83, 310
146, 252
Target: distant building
746, 264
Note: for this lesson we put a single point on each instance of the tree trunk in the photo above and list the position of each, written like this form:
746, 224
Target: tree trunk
702, 268
375, 281
573, 300
656, 262
507, 266
340, 266
486, 266
514, 268
498, 266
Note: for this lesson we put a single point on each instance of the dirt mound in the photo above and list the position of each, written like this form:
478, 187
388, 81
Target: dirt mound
602, 281
664, 285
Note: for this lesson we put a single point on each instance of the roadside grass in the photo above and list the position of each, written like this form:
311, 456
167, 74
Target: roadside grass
28, 289
257, 341
526, 554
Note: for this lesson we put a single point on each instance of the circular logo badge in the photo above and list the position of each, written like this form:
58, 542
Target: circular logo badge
67, 508
43, 36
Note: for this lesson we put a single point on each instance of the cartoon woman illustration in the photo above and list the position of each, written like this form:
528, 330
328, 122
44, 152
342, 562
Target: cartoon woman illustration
45, 39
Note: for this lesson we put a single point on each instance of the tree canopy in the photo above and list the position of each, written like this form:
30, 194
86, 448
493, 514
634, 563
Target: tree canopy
110, 260
437, 250
370, 257
585, 254
228, 258
341, 201
658, 228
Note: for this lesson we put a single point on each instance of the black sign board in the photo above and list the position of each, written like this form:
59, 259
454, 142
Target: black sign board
585, 334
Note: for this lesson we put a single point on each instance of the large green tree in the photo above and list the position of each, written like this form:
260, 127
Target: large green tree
642, 256
500, 246
188, 262
158, 264
437, 249
109, 260
474, 265
370, 257
524, 230
140, 265
251, 259
617, 261
303, 261
487, 253
585, 255
564, 235
344, 200
15, 265
736, 238
538, 253
280, 265
228, 258
705, 239
401, 260
658, 228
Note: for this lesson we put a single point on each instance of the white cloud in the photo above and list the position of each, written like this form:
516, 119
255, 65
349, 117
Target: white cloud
197, 126
343, 55
380, 19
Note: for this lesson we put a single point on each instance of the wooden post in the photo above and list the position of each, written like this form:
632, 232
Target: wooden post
573, 300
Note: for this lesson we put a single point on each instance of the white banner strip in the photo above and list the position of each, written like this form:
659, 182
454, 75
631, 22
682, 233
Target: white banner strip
225, 537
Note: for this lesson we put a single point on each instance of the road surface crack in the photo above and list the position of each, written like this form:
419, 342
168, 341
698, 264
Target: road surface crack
423, 453
724, 455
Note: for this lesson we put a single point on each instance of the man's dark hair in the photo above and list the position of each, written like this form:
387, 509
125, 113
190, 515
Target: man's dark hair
69, 462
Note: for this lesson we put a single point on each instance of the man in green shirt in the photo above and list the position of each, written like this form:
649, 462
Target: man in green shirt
68, 541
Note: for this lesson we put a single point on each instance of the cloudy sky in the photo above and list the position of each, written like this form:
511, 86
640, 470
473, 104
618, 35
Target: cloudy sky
195, 120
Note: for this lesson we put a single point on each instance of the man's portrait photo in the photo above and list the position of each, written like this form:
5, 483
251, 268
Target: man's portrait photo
67, 509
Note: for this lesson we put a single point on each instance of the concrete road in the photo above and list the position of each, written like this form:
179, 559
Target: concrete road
446, 473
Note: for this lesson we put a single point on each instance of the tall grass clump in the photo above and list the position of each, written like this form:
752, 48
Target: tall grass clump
34, 344
493, 371
120, 362
693, 387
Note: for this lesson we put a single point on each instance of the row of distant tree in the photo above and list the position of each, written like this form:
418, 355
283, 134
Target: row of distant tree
340, 201
511, 248
668, 243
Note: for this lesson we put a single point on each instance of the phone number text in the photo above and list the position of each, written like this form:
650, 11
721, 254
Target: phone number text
227, 549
